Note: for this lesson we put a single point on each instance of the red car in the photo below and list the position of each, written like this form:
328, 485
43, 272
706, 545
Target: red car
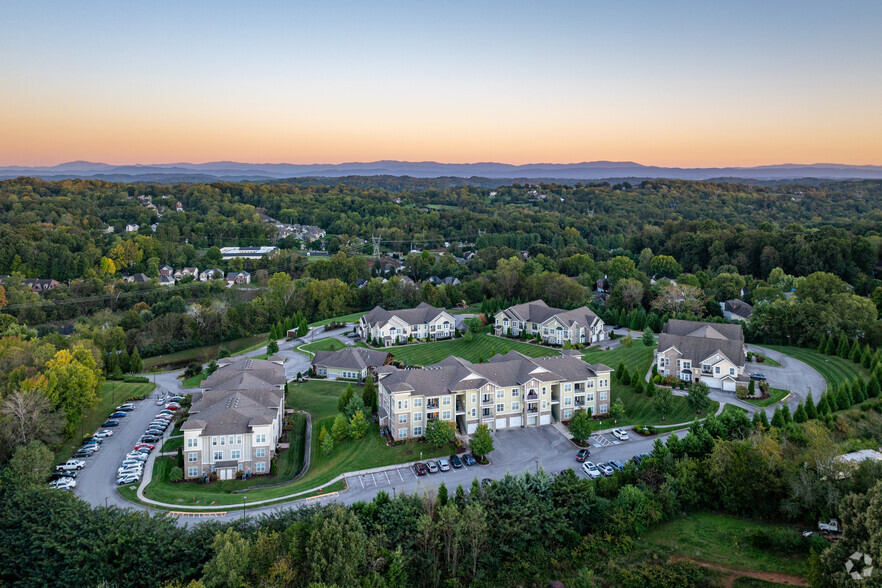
173, 406
420, 468
149, 446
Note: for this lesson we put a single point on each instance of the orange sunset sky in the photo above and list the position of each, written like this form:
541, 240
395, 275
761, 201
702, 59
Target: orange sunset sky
690, 84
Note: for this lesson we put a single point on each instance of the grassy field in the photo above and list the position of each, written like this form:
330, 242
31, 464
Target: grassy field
731, 408
194, 381
726, 541
833, 369
203, 354
320, 399
328, 344
775, 395
481, 346
172, 444
639, 410
766, 361
347, 318
113, 393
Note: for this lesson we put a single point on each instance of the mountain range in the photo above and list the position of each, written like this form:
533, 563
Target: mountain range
566, 172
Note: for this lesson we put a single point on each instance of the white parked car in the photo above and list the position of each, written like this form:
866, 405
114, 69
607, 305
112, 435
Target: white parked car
128, 479
63, 484
103, 434
591, 470
620, 434
71, 464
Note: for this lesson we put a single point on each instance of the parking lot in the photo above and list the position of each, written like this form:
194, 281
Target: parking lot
388, 478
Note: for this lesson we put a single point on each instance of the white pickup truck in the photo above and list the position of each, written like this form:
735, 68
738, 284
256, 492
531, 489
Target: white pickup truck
830, 527
71, 464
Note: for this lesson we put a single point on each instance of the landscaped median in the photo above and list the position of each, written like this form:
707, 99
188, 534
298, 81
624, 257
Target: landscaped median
319, 398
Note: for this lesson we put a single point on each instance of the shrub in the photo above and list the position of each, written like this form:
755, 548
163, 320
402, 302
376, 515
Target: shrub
136, 379
176, 474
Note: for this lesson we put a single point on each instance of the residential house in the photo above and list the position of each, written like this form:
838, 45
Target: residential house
242, 277
509, 391
179, 207
140, 278
246, 252
448, 281
736, 310
133, 228
193, 272
40, 285
166, 281
351, 363
166, 270
178, 274
211, 274
236, 422
552, 325
396, 326
712, 353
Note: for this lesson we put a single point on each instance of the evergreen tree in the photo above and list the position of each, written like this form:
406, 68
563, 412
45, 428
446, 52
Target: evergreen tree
111, 362
344, 399
650, 389
855, 354
830, 349
328, 442
842, 348
124, 361
442, 494
811, 411
764, 418
340, 428
620, 370
626, 378
654, 369
135, 363
180, 457
799, 416
785, 412
822, 346
751, 387
272, 347
638, 385
648, 337
823, 405
866, 356
369, 391
777, 418
358, 425
873, 387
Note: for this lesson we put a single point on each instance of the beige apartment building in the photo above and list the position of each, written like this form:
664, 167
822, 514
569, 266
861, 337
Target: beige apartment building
712, 353
511, 390
552, 325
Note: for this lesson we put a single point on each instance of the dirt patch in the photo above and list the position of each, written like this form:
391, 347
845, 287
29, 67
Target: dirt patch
731, 574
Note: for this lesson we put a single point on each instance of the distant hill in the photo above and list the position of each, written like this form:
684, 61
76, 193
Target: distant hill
564, 172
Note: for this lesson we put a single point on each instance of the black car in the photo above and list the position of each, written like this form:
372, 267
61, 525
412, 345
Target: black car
83, 453
63, 474
455, 462
757, 376
97, 440
149, 439
110, 424
583, 455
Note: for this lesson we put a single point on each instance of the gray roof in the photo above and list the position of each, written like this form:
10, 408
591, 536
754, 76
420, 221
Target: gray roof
739, 307
512, 369
228, 412
539, 312
351, 358
699, 340
246, 374
413, 316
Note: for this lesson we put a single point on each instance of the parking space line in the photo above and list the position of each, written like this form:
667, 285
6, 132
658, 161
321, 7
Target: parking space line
399, 475
388, 481
362, 481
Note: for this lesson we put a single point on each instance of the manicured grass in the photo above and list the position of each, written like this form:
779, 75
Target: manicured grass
775, 395
194, 381
203, 354
482, 345
328, 344
347, 318
320, 399
835, 370
639, 409
113, 393
724, 541
766, 361
731, 408
172, 444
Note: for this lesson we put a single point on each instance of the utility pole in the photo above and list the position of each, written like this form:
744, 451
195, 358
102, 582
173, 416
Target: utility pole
376, 243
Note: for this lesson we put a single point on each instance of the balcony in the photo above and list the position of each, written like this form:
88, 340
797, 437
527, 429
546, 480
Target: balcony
487, 400
431, 416
532, 410
432, 404
532, 395
460, 408
579, 403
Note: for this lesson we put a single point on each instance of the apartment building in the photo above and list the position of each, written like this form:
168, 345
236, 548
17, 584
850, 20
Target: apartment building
553, 325
425, 322
236, 421
511, 390
712, 353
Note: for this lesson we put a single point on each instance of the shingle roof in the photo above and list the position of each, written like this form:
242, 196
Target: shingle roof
351, 358
234, 412
539, 312
699, 340
413, 316
262, 374
738, 307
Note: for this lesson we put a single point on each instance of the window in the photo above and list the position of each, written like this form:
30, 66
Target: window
544, 404
223, 440
192, 472
474, 412
568, 413
417, 417
417, 431
402, 418
445, 401
260, 467
260, 452
236, 454
568, 401
568, 387
402, 433
474, 398
731, 371
214, 440
590, 383
417, 402
445, 414
192, 457
218, 455
402, 405
500, 393
500, 408
260, 438
604, 409
192, 442
589, 397
516, 405
515, 392
603, 395
238, 439
231, 439
717, 369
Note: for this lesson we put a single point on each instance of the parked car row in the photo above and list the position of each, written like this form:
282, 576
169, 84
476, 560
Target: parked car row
443, 465
604, 469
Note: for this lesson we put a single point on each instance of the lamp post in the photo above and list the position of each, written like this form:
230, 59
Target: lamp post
243, 505
105, 501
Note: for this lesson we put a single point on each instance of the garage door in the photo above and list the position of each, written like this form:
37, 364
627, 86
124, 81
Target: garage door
516, 421
472, 428
545, 419
501, 424
729, 385
531, 420
712, 382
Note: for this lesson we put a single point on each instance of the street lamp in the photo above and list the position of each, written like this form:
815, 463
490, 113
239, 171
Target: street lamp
243, 505
105, 501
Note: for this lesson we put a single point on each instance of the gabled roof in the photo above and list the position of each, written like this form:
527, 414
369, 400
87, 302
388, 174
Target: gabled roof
539, 312
234, 411
422, 314
351, 358
697, 341
738, 307
244, 374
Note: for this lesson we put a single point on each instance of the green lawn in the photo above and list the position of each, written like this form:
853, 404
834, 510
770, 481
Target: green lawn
766, 361
194, 381
328, 344
726, 541
481, 346
203, 354
639, 409
113, 393
347, 318
731, 408
173, 444
320, 399
835, 370
775, 395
